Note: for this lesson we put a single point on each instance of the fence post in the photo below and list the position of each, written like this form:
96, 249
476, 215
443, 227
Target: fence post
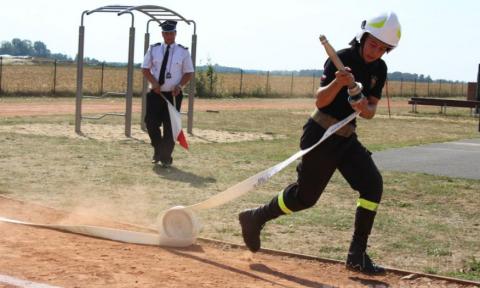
291, 86
54, 77
101, 79
313, 83
440, 87
266, 85
478, 96
241, 82
401, 87
415, 88
1, 70
428, 87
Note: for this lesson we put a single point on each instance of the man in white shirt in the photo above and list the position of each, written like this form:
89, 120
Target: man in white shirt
168, 68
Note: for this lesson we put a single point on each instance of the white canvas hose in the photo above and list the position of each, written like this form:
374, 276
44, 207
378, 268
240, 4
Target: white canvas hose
179, 226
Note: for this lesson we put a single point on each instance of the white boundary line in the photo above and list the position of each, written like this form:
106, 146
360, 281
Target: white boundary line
465, 143
4, 279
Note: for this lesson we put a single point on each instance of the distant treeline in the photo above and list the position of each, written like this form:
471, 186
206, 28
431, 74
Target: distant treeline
18, 47
395, 76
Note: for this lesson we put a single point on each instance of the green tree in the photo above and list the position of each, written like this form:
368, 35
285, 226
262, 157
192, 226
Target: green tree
6, 48
206, 80
22, 47
40, 49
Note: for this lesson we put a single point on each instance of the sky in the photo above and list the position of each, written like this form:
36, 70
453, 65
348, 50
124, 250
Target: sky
440, 38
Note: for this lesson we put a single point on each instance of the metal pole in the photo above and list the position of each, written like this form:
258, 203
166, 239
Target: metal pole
1, 70
241, 82
146, 44
266, 85
401, 87
78, 103
388, 99
101, 78
128, 102
415, 88
478, 96
54, 76
291, 86
428, 87
191, 96
313, 82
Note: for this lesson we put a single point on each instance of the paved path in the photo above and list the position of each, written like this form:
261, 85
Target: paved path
455, 159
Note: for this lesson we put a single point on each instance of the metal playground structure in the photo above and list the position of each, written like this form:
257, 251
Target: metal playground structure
155, 14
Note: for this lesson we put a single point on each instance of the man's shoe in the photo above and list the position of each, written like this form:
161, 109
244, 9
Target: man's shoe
167, 164
251, 228
361, 262
156, 156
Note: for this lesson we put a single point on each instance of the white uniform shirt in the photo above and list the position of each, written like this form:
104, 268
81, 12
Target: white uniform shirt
179, 63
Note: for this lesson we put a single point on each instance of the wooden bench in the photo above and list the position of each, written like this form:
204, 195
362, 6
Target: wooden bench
443, 103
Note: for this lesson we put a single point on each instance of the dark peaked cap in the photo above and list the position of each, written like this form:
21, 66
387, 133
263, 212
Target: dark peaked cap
169, 26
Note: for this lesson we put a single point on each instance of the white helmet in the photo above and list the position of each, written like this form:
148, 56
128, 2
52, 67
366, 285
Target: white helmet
385, 27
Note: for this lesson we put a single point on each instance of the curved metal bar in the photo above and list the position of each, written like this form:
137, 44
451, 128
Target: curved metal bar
133, 18
143, 8
148, 24
194, 26
83, 14
109, 8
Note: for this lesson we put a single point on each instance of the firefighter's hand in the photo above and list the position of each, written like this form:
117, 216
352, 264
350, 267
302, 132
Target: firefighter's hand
344, 78
361, 106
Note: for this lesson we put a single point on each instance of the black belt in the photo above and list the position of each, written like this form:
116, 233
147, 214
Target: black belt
326, 121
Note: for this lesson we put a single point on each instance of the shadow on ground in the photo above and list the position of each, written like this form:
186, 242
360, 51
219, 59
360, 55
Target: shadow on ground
175, 174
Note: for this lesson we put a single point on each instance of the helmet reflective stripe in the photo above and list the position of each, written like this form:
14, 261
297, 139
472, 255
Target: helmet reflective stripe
384, 27
369, 205
282, 205
378, 24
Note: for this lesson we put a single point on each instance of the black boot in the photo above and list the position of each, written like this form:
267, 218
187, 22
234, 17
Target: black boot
361, 262
253, 220
358, 259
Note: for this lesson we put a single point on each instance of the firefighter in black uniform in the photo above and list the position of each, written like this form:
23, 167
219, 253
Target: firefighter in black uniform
341, 151
168, 68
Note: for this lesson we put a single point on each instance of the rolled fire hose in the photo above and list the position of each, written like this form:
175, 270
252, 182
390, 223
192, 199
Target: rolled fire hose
179, 226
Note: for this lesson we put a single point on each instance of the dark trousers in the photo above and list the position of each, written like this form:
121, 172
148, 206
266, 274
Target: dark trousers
157, 116
315, 170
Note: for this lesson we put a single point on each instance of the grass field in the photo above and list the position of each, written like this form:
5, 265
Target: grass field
43, 79
426, 223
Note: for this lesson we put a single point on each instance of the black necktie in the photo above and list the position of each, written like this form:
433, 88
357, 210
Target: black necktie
161, 78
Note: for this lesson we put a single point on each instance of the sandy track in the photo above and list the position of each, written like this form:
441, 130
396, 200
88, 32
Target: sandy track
70, 260
67, 106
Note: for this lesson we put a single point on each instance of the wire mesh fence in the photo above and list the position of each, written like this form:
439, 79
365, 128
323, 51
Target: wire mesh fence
58, 78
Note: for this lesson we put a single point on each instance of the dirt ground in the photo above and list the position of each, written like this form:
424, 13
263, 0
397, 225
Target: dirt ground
49, 257
67, 106
52, 258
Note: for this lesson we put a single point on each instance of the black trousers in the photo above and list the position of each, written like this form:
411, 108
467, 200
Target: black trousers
315, 170
157, 116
